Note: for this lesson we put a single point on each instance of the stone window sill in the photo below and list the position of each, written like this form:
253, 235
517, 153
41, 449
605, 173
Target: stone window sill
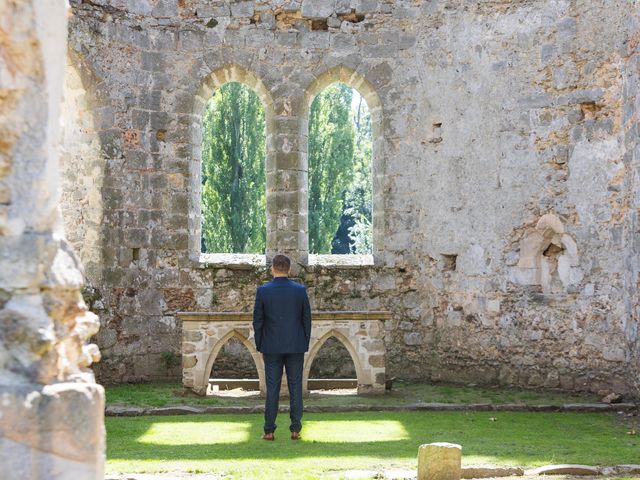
343, 261
231, 260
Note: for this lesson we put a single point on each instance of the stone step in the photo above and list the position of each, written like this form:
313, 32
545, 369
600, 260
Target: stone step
313, 383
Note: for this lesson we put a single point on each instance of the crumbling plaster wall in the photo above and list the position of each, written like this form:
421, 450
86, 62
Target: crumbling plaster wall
493, 115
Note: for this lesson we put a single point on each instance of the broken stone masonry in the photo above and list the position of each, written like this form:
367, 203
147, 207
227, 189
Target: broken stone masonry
505, 177
51, 409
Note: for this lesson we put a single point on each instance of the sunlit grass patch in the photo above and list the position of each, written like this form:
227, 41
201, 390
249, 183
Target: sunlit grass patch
363, 431
195, 433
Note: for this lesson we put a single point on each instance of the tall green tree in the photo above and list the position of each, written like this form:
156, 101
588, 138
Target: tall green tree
358, 197
340, 148
331, 146
233, 172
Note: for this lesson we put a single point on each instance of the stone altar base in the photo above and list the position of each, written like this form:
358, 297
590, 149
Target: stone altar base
361, 332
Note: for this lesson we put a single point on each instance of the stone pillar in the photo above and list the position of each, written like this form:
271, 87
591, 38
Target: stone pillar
439, 461
286, 185
51, 410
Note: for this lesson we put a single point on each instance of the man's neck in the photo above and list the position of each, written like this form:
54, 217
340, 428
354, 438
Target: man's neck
281, 276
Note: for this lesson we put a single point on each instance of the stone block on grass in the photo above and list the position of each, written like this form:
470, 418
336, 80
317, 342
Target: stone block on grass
439, 461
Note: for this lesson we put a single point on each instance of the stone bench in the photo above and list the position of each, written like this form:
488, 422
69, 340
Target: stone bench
362, 333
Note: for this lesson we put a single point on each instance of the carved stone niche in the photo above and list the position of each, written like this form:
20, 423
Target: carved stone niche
548, 257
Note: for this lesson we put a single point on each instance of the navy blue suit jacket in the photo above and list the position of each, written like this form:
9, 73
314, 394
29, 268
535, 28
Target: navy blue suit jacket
282, 317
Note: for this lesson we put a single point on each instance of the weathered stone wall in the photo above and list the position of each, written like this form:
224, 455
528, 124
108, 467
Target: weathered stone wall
632, 187
51, 410
501, 176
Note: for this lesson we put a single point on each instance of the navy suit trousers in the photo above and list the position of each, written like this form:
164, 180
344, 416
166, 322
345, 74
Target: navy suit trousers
292, 363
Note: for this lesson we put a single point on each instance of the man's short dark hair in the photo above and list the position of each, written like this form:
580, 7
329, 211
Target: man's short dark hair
281, 263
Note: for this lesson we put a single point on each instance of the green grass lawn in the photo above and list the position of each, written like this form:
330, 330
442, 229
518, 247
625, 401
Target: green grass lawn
363, 440
166, 394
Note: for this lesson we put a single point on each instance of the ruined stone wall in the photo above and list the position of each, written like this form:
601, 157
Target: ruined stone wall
632, 163
500, 180
51, 410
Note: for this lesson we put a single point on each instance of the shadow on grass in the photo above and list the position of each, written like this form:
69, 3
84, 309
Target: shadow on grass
513, 438
164, 394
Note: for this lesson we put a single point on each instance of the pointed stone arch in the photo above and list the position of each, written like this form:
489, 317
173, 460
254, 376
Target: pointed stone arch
210, 83
343, 74
257, 358
353, 79
317, 345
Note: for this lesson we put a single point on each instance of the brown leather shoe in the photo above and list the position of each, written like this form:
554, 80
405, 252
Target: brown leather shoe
295, 435
268, 436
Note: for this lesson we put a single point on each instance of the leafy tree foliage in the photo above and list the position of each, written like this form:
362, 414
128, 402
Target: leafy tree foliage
339, 172
358, 197
233, 172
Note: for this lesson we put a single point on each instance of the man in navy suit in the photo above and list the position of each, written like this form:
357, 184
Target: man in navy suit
282, 329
